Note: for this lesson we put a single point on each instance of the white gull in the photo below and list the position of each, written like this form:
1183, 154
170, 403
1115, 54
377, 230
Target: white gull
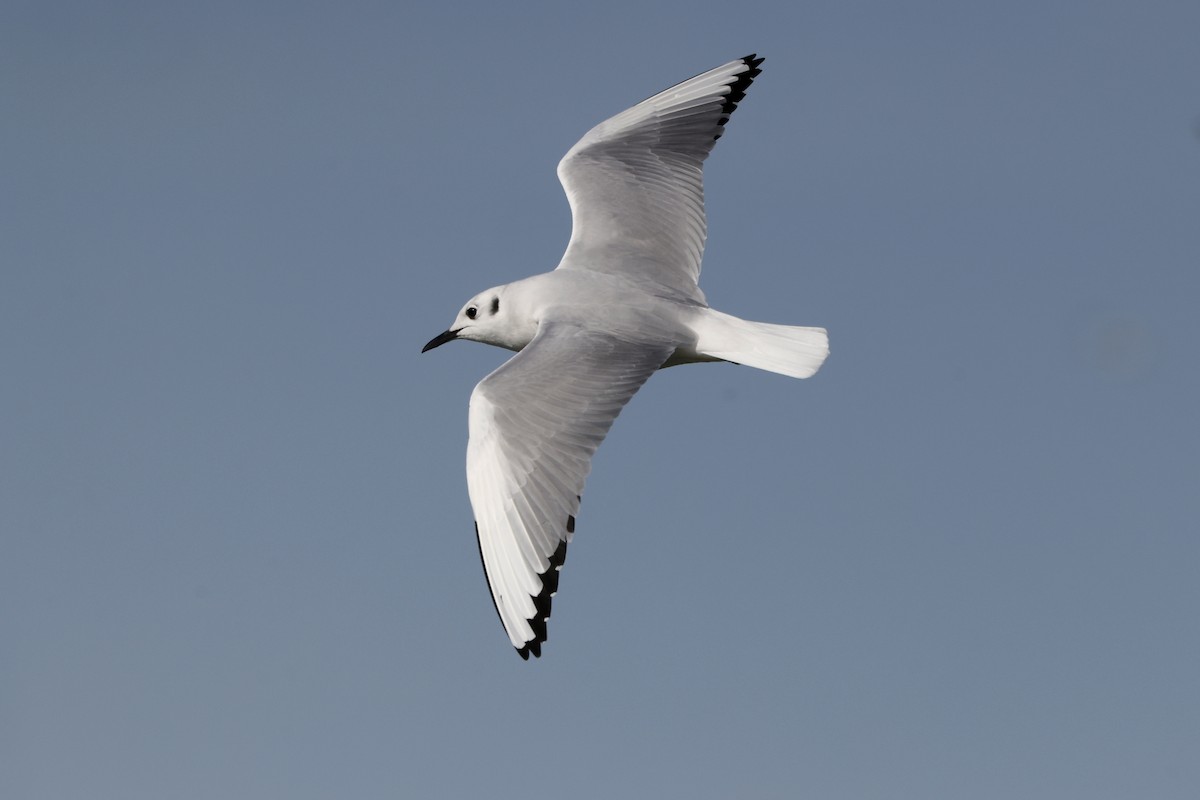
623, 302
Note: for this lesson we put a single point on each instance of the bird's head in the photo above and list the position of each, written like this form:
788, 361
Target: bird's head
486, 318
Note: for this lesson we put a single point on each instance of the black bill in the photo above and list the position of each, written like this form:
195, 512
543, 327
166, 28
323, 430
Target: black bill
440, 340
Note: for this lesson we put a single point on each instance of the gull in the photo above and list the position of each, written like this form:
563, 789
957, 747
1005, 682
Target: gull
623, 303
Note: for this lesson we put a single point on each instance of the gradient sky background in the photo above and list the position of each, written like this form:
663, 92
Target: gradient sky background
236, 551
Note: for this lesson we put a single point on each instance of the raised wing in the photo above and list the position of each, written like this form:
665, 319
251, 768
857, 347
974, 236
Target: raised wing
635, 186
535, 423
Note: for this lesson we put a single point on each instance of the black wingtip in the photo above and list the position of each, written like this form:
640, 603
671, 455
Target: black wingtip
542, 602
737, 90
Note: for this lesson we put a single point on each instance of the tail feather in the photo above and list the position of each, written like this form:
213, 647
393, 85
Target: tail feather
785, 349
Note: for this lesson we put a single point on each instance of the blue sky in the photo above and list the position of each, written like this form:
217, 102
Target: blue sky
236, 552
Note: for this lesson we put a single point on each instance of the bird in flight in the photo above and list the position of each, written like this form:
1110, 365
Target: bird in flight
623, 302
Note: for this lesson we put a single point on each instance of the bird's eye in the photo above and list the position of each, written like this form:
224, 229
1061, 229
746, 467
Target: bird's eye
471, 312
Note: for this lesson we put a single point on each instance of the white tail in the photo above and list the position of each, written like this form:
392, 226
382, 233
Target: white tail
786, 349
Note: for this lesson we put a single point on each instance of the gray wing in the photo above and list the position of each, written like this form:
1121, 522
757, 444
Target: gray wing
635, 186
535, 423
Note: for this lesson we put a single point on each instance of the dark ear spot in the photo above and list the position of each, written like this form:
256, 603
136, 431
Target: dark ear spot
495, 304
